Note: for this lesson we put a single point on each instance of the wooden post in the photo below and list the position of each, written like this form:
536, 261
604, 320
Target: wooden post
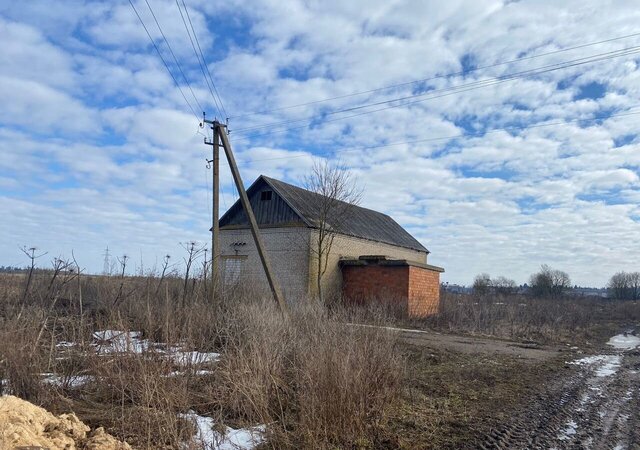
244, 199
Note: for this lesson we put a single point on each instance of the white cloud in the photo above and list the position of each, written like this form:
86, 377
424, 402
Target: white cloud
95, 137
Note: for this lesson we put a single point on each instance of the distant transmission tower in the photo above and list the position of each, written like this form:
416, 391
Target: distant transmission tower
106, 269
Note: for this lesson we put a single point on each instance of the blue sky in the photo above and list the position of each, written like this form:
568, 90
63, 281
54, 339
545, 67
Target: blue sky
98, 147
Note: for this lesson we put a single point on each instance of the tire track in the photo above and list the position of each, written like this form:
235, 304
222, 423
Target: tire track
596, 407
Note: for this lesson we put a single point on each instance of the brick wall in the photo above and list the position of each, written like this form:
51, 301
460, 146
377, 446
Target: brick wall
415, 289
424, 291
384, 283
287, 249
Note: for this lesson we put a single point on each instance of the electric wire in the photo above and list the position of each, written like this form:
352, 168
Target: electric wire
489, 81
456, 136
452, 91
203, 60
435, 77
166, 41
163, 60
184, 22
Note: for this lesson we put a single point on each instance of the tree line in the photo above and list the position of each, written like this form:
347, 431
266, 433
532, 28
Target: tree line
555, 284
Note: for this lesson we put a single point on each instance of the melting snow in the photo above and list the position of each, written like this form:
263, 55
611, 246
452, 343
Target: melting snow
622, 342
197, 373
183, 358
114, 341
109, 342
611, 366
570, 429
71, 381
210, 439
607, 364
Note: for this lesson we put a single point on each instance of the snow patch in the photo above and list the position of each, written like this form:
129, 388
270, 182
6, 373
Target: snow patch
607, 364
570, 428
183, 358
71, 381
240, 439
183, 373
610, 367
622, 342
115, 341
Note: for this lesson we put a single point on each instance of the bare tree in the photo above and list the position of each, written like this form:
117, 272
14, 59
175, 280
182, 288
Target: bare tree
625, 286
481, 284
31, 254
504, 286
550, 283
338, 193
123, 266
194, 251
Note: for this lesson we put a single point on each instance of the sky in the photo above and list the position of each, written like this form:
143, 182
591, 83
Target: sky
515, 142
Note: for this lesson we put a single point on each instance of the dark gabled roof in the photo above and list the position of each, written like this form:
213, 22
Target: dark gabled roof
362, 222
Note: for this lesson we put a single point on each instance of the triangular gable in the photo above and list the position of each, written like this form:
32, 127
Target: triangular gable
275, 211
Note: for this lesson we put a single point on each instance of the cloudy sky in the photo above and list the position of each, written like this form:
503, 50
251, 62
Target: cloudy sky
514, 143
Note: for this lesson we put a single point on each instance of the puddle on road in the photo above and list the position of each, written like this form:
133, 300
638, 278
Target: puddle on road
625, 341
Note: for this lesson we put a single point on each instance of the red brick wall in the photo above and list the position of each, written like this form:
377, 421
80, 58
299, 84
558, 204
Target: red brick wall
416, 289
424, 292
362, 283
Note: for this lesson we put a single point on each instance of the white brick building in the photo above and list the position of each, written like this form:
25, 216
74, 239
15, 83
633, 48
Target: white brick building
285, 216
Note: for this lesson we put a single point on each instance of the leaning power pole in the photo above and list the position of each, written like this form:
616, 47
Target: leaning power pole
220, 134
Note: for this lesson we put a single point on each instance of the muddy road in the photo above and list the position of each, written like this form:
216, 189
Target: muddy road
596, 407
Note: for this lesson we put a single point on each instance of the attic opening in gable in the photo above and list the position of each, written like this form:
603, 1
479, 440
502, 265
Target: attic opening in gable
266, 195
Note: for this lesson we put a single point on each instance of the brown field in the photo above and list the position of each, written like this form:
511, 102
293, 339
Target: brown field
315, 381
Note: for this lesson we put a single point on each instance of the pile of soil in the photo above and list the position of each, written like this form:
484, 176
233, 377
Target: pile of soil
23, 424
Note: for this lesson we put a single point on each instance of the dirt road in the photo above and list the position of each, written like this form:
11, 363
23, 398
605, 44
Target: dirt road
597, 407
526, 351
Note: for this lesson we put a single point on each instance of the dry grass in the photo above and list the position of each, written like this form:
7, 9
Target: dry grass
575, 320
320, 383
314, 381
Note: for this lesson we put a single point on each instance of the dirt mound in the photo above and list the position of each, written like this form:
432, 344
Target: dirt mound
23, 424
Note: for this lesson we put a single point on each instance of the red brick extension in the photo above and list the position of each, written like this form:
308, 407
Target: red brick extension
416, 287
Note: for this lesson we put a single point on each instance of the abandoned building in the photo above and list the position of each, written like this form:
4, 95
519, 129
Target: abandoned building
372, 256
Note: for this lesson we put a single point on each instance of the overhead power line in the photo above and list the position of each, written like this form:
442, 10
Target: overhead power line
457, 136
488, 81
435, 77
217, 94
163, 61
402, 101
215, 100
166, 41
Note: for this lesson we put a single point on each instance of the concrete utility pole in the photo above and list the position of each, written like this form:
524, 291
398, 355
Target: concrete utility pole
220, 134
215, 227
